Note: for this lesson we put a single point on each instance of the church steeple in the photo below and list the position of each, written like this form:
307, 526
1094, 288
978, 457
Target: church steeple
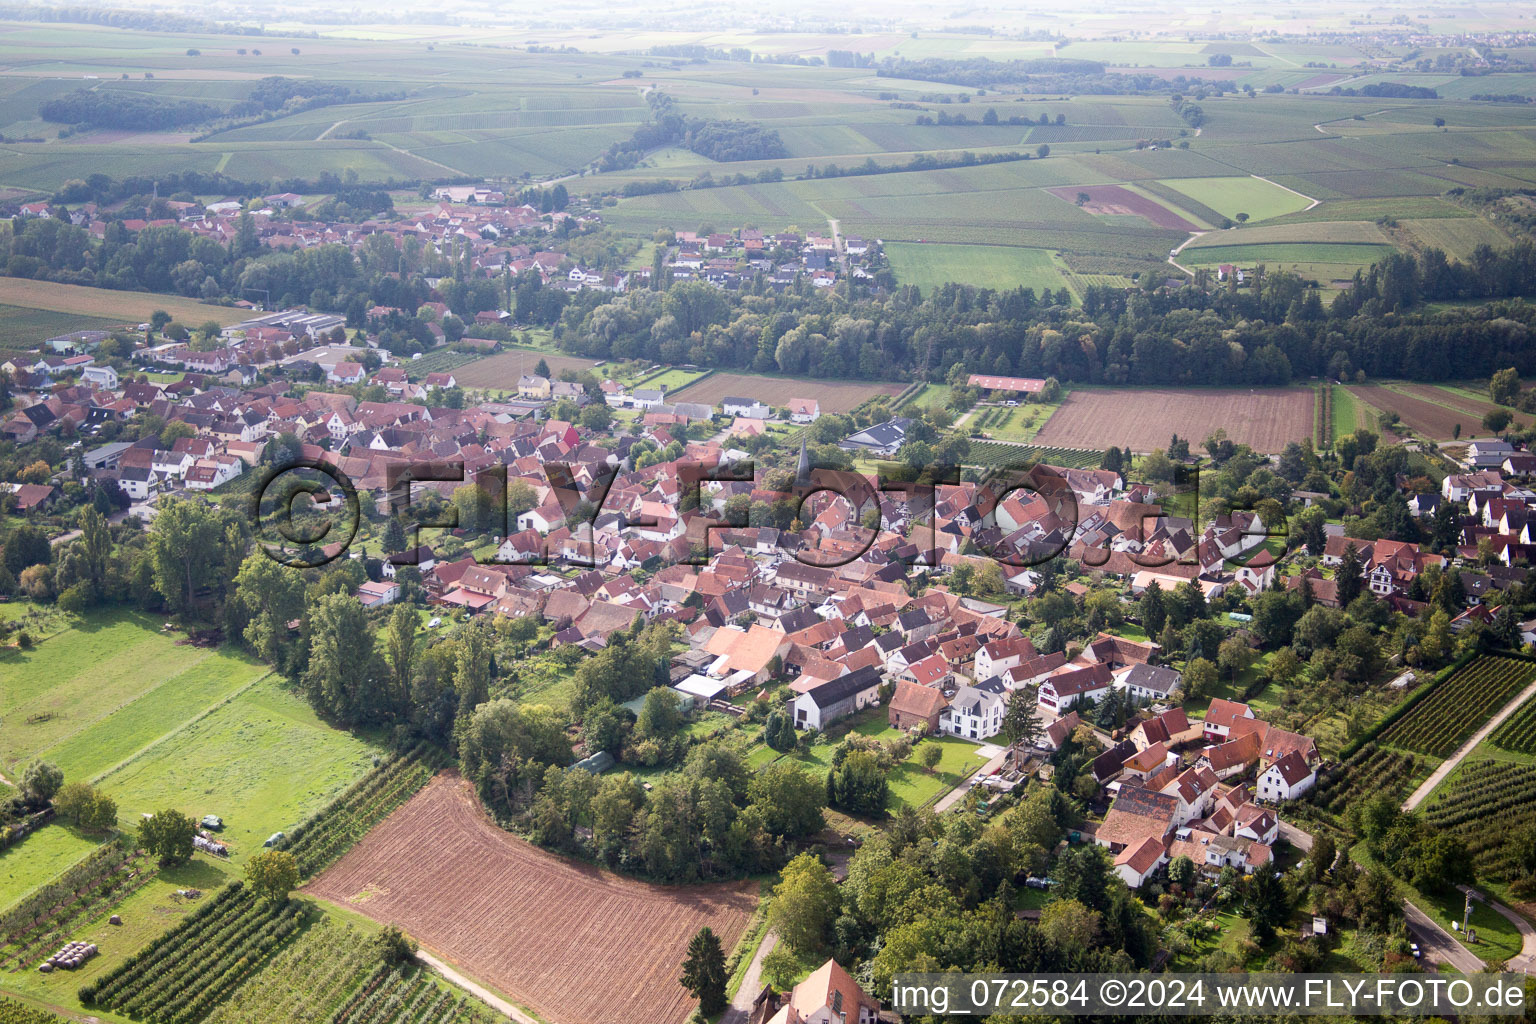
803, 467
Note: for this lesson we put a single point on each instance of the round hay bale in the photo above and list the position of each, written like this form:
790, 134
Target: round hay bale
45, 967
114, 919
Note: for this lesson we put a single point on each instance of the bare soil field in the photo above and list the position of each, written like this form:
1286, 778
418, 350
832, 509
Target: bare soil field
500, 371
1265, 419
1478, 407
833, 395
1114, 199
1429, 419
575, 944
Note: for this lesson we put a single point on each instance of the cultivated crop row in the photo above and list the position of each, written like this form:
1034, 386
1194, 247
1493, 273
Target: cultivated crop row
1454, 709
181, 976
16, 1013
105, 866
1488, 803
1370, 770
1518, 733
406, 996
333, 829
305, 981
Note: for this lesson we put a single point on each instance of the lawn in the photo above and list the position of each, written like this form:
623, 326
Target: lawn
40, 858
1258, 198
263, 762
106, 688
671, 379
929, 265
911, 783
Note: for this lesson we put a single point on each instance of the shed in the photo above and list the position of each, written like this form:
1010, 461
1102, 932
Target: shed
702, 689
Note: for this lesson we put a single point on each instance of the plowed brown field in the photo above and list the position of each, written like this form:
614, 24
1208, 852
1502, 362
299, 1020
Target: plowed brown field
1430, 419
574, 944
1265, 419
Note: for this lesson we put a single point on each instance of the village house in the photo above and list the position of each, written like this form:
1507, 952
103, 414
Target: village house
827, 702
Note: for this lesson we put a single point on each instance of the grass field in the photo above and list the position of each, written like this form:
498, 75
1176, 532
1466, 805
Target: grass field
1275, 255
263, 762
1258, 198
106, 688
157, 724
500, 371
40, 858
929, 265
103, 303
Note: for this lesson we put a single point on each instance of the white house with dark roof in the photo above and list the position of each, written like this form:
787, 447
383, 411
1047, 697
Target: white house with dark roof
1287, 778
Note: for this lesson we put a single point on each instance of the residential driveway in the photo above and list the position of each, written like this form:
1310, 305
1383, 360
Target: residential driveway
1438, 945
994, 762
1439, 774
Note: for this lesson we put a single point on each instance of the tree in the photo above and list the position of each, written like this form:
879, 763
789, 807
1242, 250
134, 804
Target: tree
858, 785
41, 781
1234, 656
26, 546
184, 550
704, 971
805, 903
272, 874
1020, 725
94, 547
1266, 904
1347, 576
1181, 871
1150, 607
84, 805
168, 835
929, 755
1069, 924
472, 671
788, 799
400, 643
1504, 386
1242, 218
1199, 678
1042, 151
660, 715
1495, 420
395, 948
341, 677
780, 967
597, 417
779, 732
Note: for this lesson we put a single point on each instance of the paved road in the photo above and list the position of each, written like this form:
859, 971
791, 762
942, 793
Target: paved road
1438, 945
490, 998
1525, 962
1449, 765
751, 983
1296, 837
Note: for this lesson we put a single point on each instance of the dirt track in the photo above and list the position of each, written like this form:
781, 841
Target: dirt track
575, 944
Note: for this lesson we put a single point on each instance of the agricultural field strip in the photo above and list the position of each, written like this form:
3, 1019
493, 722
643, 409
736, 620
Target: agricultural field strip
381, 880
180, 728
